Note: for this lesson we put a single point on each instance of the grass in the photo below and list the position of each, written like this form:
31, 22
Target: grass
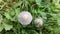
48, 10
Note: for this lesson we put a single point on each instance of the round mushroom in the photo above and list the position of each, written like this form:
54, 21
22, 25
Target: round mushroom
25, 18
38, 22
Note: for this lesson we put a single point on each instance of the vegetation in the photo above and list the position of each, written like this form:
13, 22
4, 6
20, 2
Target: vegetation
48, 10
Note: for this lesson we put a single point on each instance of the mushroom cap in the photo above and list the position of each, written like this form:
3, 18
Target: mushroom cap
25, 18
38, 22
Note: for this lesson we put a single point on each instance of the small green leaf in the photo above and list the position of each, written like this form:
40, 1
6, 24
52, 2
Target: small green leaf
1, 27
43, 14
17, 11
0, 0
58, 21
1, 18
38, 2
17, 4
8, 27
7, 16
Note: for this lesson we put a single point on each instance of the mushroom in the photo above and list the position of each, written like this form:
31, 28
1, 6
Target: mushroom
25, 18
38, 22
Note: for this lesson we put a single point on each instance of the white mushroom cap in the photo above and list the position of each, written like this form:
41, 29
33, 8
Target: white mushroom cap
25, 18
38, 22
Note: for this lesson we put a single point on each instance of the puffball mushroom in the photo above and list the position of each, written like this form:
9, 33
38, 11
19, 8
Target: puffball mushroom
38, 22
25, 18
